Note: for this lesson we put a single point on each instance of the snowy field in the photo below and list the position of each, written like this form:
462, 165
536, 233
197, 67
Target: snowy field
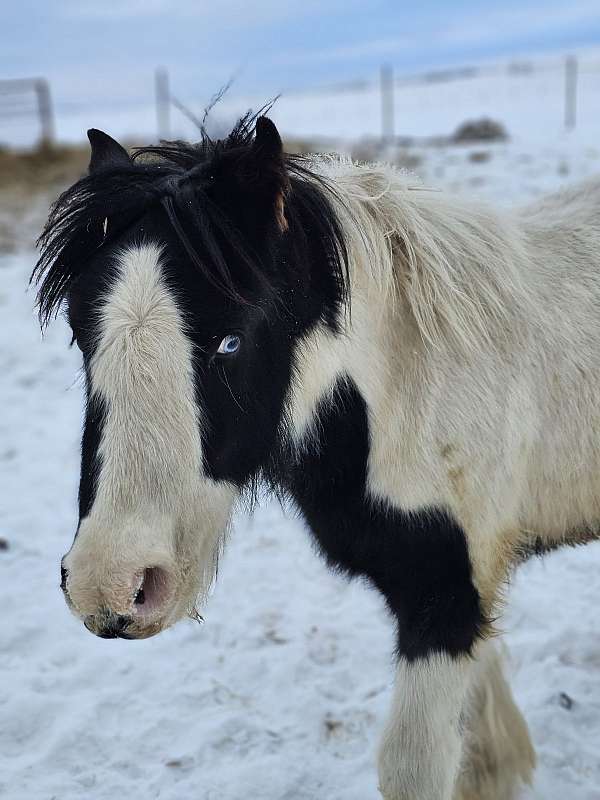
282, 693
528, 95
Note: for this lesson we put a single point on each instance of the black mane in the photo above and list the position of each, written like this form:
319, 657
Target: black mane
177, 175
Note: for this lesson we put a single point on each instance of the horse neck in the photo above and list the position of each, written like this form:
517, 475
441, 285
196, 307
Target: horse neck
433, 280
374, 324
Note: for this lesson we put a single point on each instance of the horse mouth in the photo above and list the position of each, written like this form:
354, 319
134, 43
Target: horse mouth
116, 626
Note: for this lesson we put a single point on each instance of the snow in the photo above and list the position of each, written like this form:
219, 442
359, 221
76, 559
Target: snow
282, 692
527, 95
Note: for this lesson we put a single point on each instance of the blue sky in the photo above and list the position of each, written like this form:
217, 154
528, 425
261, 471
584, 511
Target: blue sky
94, 51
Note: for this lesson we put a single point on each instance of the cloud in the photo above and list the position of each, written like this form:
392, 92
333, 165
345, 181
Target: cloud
504, 24
460, 29
106, 52
224, 14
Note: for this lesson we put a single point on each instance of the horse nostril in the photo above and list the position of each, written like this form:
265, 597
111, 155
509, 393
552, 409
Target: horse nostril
153, 590
63, 578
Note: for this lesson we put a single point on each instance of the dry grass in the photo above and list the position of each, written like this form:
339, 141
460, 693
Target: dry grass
29, 181
36, 169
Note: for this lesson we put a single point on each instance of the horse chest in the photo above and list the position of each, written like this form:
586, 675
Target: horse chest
419, 560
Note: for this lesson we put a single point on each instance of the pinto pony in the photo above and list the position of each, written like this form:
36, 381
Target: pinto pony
417, 374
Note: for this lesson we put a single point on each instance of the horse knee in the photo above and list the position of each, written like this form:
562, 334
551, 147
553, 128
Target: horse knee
498, 754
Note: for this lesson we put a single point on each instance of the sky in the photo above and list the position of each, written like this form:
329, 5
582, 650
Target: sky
99, 53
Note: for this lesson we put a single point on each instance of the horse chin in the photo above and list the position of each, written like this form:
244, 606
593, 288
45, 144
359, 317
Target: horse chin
134, 625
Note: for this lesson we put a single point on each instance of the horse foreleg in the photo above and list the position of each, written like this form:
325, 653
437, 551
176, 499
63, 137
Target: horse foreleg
420, 753
499, 756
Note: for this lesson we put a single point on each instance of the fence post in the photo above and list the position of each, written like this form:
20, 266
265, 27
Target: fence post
570, 92
42, 90
387, 103
163, 100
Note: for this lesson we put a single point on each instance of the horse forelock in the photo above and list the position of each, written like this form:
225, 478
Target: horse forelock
182, 179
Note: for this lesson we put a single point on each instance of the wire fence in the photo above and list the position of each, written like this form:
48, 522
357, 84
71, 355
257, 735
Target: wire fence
558, 87
30, 99
382, 106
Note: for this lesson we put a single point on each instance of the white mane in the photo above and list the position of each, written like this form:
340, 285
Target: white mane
464, 269
474, 334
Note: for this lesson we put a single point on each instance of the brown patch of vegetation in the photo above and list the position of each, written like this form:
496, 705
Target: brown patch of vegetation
479, 156
480, 130
42, 168
332, 726
300, 146
29, 181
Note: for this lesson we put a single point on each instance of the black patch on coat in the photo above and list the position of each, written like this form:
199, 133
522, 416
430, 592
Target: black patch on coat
85, 298
252, 246
419, 561
90, 456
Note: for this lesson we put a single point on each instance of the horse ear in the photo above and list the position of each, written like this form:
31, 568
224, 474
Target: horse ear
267, 141
106, 152
267, 150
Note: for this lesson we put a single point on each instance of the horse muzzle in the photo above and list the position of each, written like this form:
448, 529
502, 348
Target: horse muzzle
118, 626
139, 608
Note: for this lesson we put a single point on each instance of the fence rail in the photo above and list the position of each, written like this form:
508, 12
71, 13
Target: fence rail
24, 97
31, 97
568, 71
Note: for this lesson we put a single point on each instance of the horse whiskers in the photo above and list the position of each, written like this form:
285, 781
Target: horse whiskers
196, 616
226, 382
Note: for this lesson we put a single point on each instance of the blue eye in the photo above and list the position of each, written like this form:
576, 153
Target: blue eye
230, 345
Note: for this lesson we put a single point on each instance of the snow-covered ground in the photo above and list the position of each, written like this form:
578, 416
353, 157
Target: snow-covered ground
528, 95
281, 694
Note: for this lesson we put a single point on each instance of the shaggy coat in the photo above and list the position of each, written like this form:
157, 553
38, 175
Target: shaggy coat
418, 374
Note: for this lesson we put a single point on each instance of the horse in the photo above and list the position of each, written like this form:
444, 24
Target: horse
417, 374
